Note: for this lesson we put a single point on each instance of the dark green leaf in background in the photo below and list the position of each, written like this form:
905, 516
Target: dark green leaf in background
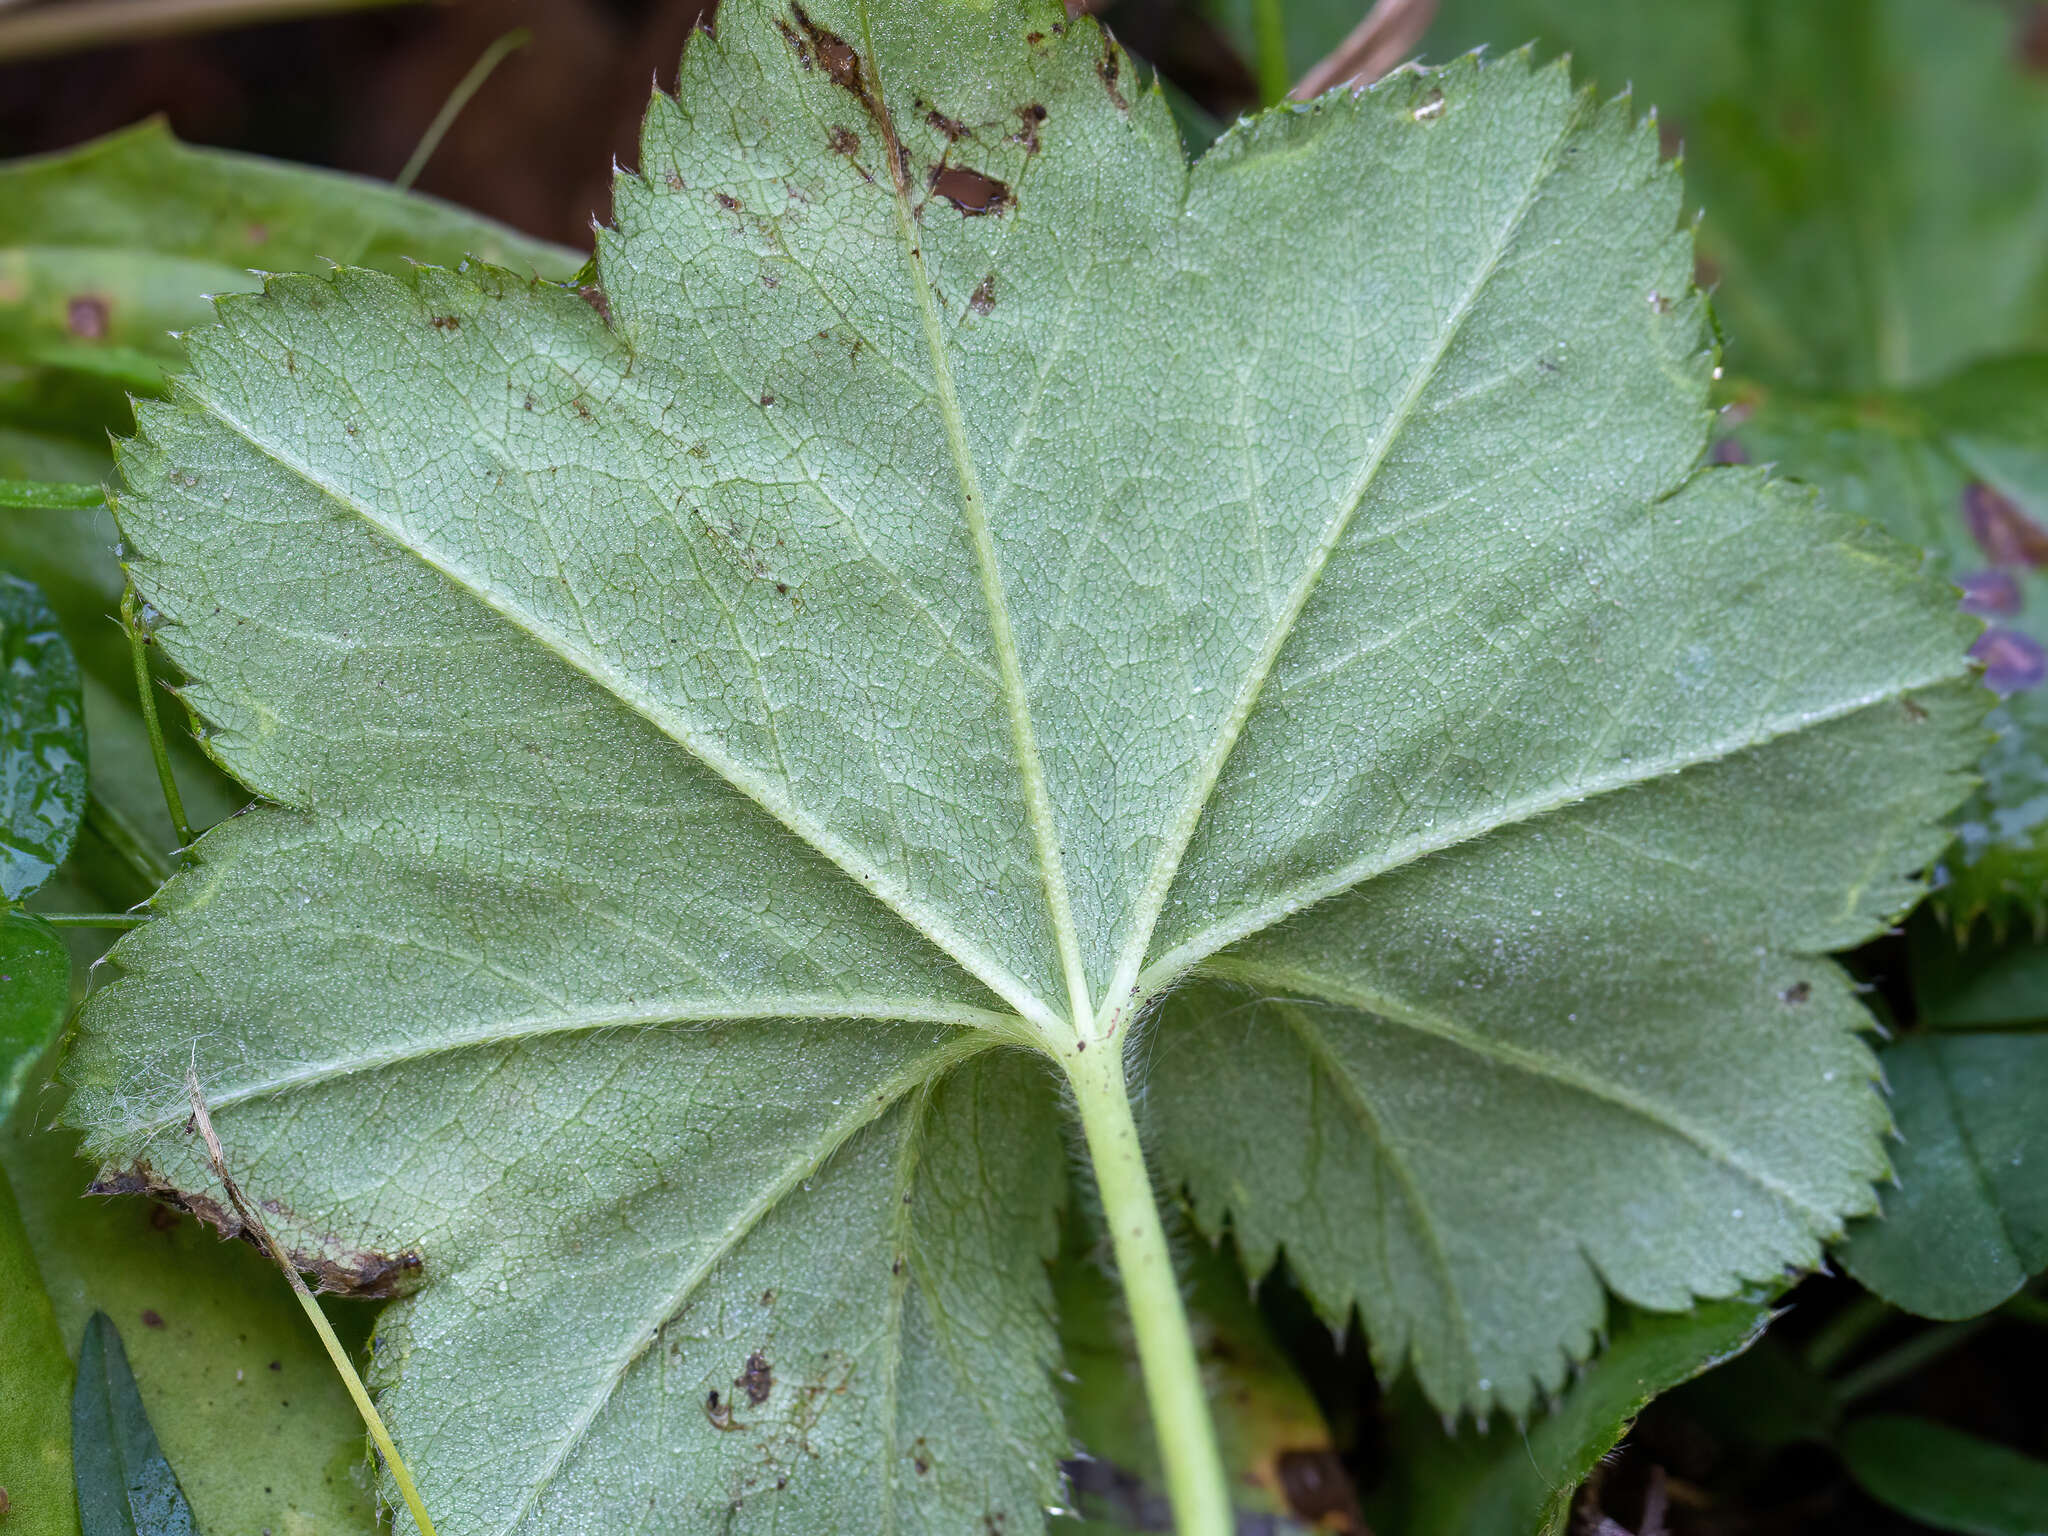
42, 741
1979, 984
1946, 1479
1968, 1223
35, 994
125, 1487
1516, 1480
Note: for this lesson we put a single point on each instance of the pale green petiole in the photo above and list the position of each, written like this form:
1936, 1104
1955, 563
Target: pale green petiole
1195, 1483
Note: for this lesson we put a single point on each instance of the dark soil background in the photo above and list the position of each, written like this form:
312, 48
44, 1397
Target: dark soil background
533, 148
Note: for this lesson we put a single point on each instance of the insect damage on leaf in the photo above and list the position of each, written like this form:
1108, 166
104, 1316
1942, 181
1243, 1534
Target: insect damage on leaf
1274, 599
335, 1269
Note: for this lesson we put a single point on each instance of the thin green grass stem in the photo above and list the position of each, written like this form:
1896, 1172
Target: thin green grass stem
145, 691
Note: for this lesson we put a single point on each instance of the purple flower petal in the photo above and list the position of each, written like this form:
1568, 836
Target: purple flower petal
2006, 534
1989, 592
2012, 661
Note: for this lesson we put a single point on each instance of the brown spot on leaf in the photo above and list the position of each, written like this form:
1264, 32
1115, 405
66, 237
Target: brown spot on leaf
728, 202
1798, 992
831, 53
951, 127
1029, 117
674, 180
970, 191
162, 1218
88, 316
768, 1298
983, 299
757, 1381
767, 398
598, 300
843, 141
447, 322
151, 1318
1110, 67
1915, 712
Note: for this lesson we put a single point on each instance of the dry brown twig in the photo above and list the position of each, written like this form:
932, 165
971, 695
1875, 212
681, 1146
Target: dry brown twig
47, 29
1386, 38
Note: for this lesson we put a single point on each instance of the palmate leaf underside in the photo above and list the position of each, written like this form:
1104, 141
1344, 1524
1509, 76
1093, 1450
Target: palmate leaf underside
970, 570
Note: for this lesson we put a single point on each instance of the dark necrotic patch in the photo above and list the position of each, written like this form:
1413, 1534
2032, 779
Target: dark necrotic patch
757, 1380
970, 191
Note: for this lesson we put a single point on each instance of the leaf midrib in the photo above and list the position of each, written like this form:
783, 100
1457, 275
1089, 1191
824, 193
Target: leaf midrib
876, 881
1002, 639
1425, 1021
1317, 1046
1159, 883
813, 1154
592, 1021
1207, 941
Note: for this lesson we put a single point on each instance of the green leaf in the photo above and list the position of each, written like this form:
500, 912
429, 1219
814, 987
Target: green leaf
1980, 984
247, 1405
35, 1425
42, 741
1960, 469
107, 248
1874, 172
125, 1487
1514, 1480
35, 996
1968, 1224
952, 588
1944, 1478
49, 493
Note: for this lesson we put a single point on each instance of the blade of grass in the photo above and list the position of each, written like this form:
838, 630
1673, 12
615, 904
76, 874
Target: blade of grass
458, 98
146, 692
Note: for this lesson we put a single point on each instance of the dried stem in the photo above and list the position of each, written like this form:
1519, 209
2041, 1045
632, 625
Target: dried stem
1385, 38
